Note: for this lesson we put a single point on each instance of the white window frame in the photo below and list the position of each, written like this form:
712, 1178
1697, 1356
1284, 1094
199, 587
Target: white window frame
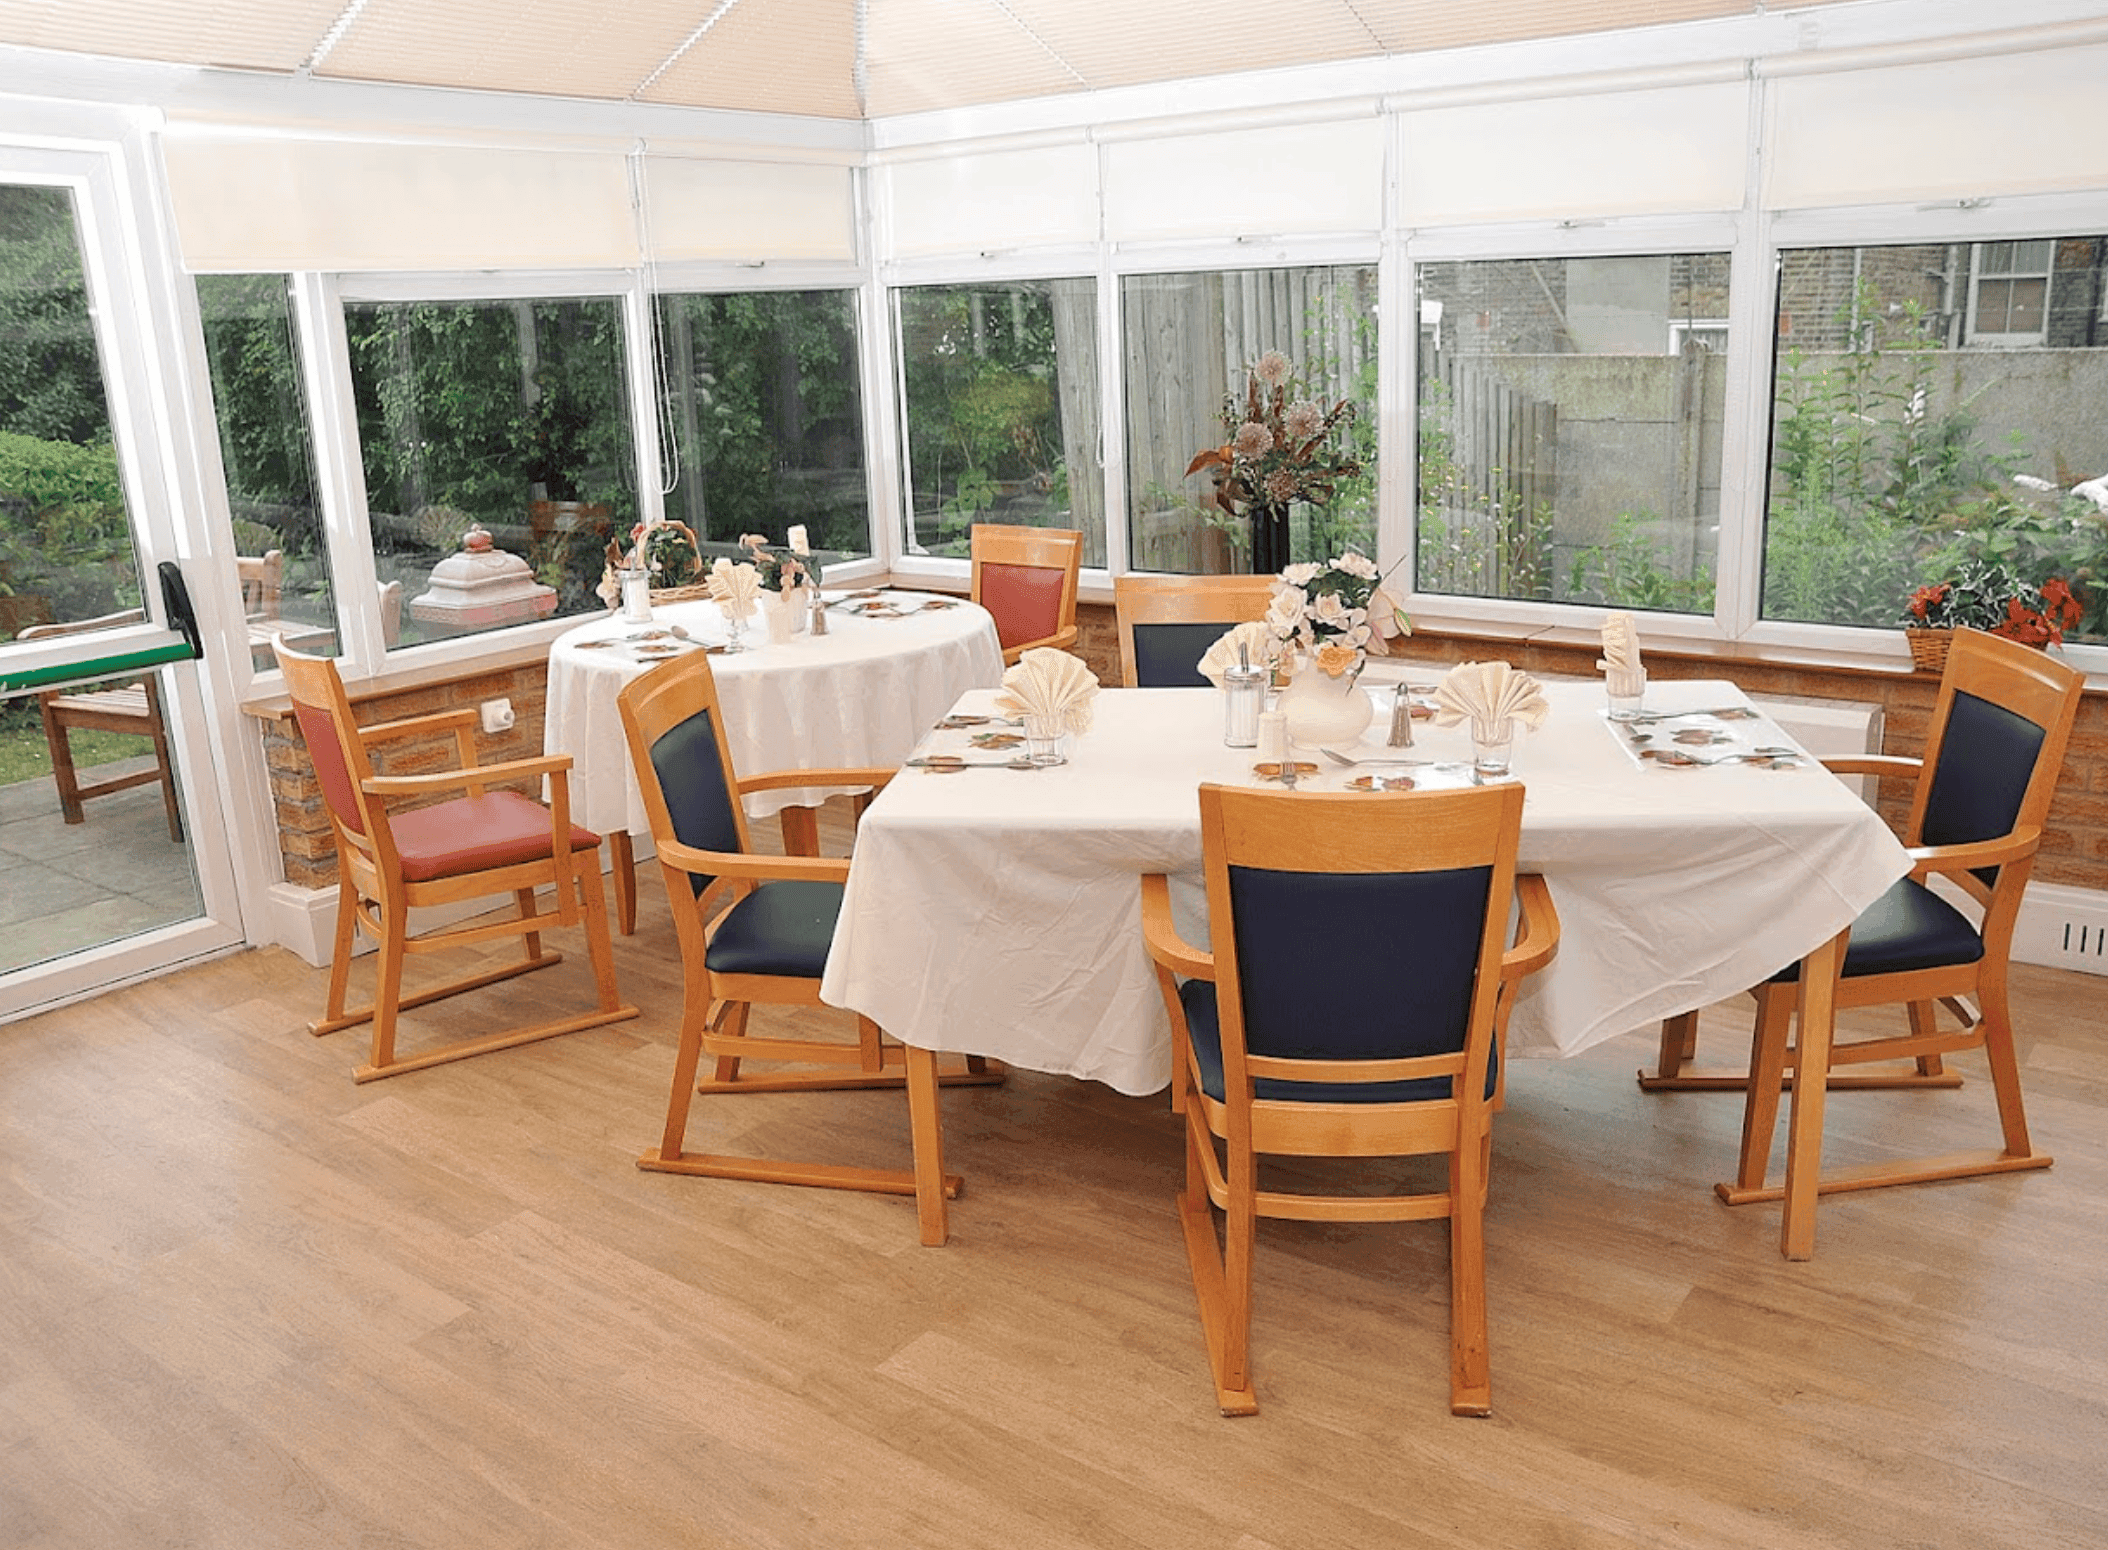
2008, 340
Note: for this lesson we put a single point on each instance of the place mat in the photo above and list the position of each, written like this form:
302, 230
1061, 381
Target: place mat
1731, 735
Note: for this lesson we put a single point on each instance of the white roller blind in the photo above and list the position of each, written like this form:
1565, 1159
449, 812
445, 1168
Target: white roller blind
1013, 199
1667, 150
1301, 178
749, 209
249, 204
2011, 123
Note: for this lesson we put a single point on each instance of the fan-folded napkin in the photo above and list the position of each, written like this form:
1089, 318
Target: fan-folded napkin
1047, 682
1620, 662
1489, 695
1260, 644
736, 589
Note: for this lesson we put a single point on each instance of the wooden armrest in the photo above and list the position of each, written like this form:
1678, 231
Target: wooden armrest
1885, 765
1537, 929
412, 726
1166, 946
1060, 640
743, 868
777, 780
1928, 860
555, 765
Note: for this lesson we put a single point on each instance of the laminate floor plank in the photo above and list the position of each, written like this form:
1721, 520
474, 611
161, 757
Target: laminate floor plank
246, 1302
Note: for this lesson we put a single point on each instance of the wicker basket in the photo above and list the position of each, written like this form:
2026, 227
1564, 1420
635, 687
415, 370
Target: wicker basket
702, 593
1928, 648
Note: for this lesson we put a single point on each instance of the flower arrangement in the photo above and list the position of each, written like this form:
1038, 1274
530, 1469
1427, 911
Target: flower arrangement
780, 570
667, 550
1335, 611
1279, 448
1993, 599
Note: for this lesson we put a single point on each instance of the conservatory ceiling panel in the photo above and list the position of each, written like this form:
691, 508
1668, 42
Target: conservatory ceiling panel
790, 56
1412, 26
1117, 43
927, 55
572, 48
239, 34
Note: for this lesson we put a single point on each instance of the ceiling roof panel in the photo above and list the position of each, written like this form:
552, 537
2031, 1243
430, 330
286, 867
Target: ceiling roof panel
573, 48
241, 34
1118, 43
921, 55
769, 56
1410, 26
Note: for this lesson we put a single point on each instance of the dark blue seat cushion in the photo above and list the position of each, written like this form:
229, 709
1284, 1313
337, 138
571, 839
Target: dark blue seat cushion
1205, 1027
781, 928
1909, 927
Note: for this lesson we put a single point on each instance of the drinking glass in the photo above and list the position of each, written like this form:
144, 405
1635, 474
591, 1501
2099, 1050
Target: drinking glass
1492, 751
1043, 740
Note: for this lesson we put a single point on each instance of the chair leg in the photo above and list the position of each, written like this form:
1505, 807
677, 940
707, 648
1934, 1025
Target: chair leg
1470, 1375
159, 734
684, 1063
340, 955
63, 774
1760, 1108
388, 984
600, 945
624, 852
926, 1128
2004, 1061
1225, 1311
524, 899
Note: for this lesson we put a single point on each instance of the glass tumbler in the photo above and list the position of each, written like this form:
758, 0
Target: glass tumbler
1043, 740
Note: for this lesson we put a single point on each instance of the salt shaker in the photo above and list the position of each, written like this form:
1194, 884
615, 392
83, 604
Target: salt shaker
1243, 697
819, 613
1401, 719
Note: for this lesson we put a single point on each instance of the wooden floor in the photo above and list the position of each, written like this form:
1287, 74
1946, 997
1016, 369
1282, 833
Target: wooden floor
246, 1303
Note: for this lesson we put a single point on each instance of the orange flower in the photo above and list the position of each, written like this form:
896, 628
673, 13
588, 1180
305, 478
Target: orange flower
1335, 659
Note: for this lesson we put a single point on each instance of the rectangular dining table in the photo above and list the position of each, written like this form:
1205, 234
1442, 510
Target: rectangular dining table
997, 912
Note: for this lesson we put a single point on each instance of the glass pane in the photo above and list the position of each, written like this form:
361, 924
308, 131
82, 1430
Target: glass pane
509, 415
762, 398
1191, 341
1002, 411
264, 445
1570, 420
1902, 457
66, 550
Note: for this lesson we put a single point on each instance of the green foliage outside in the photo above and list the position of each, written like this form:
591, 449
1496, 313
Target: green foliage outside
764, 405
1475, 542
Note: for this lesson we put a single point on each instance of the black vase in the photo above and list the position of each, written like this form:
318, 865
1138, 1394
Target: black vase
1269, 537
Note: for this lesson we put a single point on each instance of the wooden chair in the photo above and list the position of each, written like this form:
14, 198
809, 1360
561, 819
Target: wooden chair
1026, 578
131, 706
486, 843
1991, 764
1167, 623
755, 929
262, 578
1353, 1006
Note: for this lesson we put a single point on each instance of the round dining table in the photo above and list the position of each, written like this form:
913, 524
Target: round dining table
889, 666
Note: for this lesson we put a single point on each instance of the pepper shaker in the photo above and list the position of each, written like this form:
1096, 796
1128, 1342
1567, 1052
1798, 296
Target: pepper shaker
819, 612
1401, 718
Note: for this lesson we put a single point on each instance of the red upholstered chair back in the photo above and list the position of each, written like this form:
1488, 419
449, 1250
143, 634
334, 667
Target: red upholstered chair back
1026, 601
1026, 578
320, 707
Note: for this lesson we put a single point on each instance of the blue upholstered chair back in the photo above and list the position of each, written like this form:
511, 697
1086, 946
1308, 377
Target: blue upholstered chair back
1167, 655
1357, 966
1987, 757
698, 796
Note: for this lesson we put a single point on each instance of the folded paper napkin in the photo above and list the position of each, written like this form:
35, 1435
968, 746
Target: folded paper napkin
1261, 646
736, 589
1489, 695
1620, 661
1047, 682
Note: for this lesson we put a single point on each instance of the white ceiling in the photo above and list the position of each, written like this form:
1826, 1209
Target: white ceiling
840, 59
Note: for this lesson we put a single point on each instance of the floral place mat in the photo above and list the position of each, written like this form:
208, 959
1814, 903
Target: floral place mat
996, 739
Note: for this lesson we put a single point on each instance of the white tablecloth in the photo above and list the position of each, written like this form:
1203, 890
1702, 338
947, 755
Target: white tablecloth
997, 912
858, 696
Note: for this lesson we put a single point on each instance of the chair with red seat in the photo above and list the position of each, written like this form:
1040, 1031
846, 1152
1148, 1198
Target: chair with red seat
1026, 578
486, 843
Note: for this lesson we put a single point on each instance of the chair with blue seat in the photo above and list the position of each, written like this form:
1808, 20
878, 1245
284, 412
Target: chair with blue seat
1991, 763
1353, 1006
755, 930
1167, 623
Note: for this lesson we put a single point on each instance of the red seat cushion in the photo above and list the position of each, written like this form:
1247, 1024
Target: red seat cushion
475, 834
1025, 600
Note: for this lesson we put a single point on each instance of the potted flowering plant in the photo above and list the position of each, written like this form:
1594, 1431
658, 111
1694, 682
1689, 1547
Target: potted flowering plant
781, 570
1279, 448
666, 551
1991, 598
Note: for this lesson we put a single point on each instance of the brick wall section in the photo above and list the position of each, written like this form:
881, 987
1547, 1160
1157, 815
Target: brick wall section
304, 842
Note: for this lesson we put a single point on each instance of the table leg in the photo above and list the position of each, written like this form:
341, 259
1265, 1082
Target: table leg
801, 831
1815, 1026
625, 870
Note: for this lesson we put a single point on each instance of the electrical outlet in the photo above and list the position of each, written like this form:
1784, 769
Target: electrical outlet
497, 715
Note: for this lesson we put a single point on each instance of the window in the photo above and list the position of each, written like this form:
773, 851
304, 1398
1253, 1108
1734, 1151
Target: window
1898, 459
2011, 283
254, 358
1190, 339
1570, 429
509, 415
1001, 410
764, 416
